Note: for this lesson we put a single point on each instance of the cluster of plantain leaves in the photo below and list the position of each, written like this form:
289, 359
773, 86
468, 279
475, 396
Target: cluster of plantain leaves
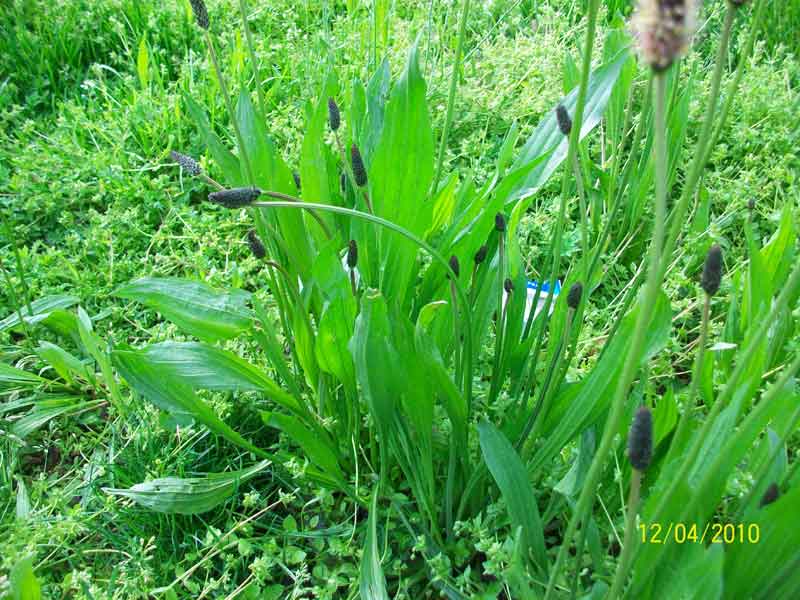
403, 357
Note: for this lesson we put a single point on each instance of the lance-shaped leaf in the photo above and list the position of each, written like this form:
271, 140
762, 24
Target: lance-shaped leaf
188, 496
195, 307
508, 471
372, 583
40, 310
169, 394
548, 136
205, 367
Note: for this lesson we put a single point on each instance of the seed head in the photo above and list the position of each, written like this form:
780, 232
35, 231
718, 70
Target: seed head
236, 197
454, 266
334, 117
256, 245
187, 163
574, 295
359, 172
664, 29
508, 285
564, 121
712, 270
500, 222
640, 439
751, 204
342, 182
770, 495
352, 254
480, 255
200, 13
296, 176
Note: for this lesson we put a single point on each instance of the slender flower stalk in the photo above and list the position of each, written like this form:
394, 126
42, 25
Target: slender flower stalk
640, 452
256, 245
631, 365
451, 96
262, 104
497, 378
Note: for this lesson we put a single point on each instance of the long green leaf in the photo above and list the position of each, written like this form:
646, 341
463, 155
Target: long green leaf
40, 310
205, 367
190, 496
548, 137
372, 582
511, 477
168, 393
195, 307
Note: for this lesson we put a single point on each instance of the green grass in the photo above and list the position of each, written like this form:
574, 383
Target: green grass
94, 202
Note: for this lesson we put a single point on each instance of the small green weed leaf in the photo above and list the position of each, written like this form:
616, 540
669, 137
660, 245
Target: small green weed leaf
206, 367
168, 393
372, 581
195, 307
190, 496
548, 136
511, 477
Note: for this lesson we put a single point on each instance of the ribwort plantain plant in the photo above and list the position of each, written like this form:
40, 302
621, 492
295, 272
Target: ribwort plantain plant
414, 385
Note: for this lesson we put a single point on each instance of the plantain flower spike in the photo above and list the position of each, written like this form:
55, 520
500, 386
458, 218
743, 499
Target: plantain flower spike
574, 295
187, 163
359, 171
508, 285
236, 197
770, 495
712, 270
500, 222
200, 13
256, 245
640, 439
352, 254
480, 255
564, 120
664, 29
334, 117
454, 266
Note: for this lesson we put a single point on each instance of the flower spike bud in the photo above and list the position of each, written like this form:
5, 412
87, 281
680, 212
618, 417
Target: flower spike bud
574, 295
500, 222
334, 116
770, 495
640, 439
256, 245
359, 171
352, 254
296, 177
480, 255
187, 163
712, 270
663, 29
236, 197
200, 13
508, 285
564, 121
454, 266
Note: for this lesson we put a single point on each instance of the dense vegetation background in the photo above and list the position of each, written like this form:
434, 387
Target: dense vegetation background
90, 107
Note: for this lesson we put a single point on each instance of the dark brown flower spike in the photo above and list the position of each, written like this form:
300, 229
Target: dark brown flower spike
200, 13
256, 245
712, 270
334, 116
564, 120
187, 163
500, 222
352, 254
480, 255
770, 495
359, 171
454, 266
236, 197
508, 285
640, 439
574, 295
